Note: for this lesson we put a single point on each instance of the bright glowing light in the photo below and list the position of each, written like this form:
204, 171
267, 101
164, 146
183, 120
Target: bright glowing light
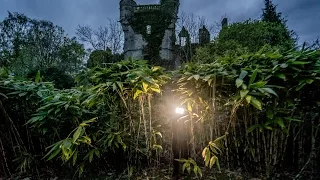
179, 110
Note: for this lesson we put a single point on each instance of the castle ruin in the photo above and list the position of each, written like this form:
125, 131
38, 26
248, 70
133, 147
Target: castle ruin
149, 32
143, 25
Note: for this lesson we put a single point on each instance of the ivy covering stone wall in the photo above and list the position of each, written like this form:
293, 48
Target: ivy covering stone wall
159, 21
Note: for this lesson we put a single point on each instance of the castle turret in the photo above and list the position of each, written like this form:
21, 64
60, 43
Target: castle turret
224, 22
126, 10
204, 36
184, 37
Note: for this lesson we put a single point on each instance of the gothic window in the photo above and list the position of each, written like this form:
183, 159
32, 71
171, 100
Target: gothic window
183, 41
148, 29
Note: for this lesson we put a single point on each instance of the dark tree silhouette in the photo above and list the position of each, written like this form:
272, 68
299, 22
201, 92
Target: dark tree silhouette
270, 13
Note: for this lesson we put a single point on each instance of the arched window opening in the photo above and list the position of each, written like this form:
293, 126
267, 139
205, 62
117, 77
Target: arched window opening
148, 29
183, 41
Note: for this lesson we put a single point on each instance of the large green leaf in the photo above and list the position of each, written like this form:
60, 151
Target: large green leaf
281, 76
270, 91
218, 164
77, 134
253, 76
239, 82
137, 93
243, 74
37, 78
243, 93
145, 86
300, 62
3, 95
280, 122
54, 153
157, 90
248, 99
212, 161
256, 103
258, 84
54, 150
184, 166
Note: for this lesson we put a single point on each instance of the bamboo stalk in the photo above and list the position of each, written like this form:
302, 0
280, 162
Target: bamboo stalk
193, 149
257, 141
236, 143
144, 122
300, 153
14, 128
293, 146
272, 146
4, 157
150, 113
265, 154
278, 149
29, 137
312, 152
227, 152
138, 136
131, 123
247, 140
11, 140
286, 142
214, 106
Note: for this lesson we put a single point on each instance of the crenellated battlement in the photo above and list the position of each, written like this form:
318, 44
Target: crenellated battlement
150, 7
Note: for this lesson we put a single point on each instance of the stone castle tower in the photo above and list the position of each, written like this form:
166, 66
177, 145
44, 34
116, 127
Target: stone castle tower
149, 30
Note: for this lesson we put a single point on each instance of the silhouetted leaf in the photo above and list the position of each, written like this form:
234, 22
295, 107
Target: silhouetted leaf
243, 74
239, 82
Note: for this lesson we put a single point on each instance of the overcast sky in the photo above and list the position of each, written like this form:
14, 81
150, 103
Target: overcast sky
303, 15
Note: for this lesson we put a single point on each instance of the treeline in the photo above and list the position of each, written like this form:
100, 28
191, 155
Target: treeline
30, 45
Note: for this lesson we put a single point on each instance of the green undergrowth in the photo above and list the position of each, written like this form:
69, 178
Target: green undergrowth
240, 112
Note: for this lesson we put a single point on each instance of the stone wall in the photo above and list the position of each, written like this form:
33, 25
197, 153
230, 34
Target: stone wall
134, 42
167, 50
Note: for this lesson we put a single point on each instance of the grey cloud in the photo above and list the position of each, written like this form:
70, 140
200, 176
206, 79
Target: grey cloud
303, 15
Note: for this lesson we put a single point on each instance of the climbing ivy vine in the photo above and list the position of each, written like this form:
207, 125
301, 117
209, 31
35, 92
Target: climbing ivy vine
159, 20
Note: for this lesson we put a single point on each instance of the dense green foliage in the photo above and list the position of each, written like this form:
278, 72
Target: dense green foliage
255, 34
252, 105
57, 76
99, 58
28, 44
85, 122
248, 36
271, 95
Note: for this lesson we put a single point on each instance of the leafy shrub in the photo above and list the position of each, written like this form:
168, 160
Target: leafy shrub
60, 78
238, 110
268, 93
246, 37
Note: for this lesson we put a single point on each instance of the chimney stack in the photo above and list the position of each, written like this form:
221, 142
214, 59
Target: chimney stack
224, 22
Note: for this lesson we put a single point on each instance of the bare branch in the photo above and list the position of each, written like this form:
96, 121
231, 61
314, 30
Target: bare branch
116, 36
102, 37
105, 37
193, 23
85, 34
